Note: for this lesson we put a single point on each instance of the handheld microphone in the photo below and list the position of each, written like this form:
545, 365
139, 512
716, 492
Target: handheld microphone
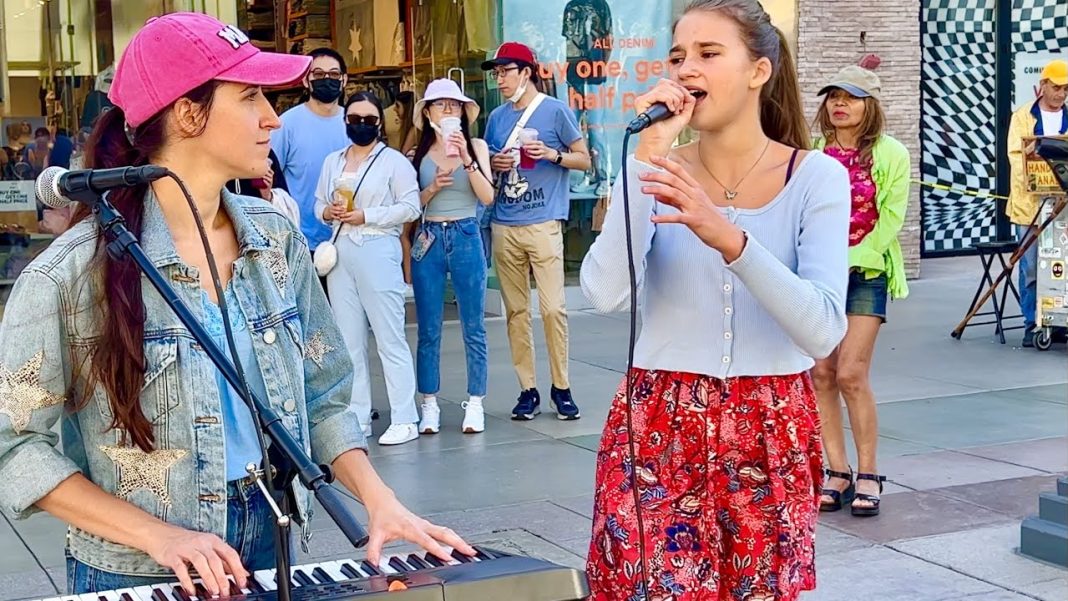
655, 113
58, 187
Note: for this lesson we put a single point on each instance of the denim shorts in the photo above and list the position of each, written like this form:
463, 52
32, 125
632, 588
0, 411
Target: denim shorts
249, 530
866, 297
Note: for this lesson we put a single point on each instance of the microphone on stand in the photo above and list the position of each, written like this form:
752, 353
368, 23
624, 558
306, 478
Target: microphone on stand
58, 187
655, 113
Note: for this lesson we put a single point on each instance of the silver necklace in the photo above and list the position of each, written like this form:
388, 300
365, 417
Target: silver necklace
728, 193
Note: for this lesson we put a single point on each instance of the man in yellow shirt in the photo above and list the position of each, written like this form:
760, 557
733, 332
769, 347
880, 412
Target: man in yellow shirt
1046, 116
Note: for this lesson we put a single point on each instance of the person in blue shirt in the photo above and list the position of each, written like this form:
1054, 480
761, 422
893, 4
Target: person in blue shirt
310, 131
532, 202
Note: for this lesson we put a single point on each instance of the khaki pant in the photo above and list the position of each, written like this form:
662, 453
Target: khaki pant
518, 250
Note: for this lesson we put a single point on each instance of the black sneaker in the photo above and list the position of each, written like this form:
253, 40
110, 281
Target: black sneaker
566, 409
1028, 339
528, 405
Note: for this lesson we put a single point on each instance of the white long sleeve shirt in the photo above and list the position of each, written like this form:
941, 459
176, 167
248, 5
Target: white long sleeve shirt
389, 194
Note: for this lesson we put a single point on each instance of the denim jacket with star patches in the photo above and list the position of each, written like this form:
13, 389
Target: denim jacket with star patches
51, 323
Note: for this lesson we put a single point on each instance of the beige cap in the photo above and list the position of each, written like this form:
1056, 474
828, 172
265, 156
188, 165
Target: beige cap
858, 81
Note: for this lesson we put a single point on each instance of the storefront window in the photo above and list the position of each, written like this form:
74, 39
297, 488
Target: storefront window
56, 65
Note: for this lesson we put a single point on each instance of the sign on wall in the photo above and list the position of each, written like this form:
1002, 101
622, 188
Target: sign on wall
17, 196
1027, 72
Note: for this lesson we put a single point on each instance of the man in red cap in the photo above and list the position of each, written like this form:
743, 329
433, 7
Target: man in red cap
1045, 116
535, 141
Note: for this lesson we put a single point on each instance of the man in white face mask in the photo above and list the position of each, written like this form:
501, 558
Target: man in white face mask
534, 141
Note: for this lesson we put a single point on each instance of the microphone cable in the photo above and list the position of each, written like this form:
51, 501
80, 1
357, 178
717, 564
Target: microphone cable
631, 344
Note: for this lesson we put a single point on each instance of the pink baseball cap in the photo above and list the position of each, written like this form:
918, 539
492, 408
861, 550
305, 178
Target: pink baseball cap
174, 54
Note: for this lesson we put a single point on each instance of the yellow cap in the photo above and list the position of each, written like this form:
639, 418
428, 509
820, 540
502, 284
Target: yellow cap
1056, 72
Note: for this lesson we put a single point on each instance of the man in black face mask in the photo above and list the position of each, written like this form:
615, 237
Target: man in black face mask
310, 131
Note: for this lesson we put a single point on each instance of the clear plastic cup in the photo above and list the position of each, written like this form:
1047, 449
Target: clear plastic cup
526, 136
449, 126
345, 187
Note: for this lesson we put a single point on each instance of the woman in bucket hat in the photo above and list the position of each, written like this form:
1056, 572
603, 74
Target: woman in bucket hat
454, 176
852, 122
151, 477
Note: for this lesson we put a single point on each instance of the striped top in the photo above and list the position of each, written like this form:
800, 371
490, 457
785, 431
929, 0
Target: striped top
778, 306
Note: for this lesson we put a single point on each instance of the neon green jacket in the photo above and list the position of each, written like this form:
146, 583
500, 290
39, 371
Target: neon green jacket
880, 252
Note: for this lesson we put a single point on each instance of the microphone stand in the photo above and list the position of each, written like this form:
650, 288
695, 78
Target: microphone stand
288, 459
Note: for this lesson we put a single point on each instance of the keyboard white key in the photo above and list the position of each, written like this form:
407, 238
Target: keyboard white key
333, 569
265, 578
144, 593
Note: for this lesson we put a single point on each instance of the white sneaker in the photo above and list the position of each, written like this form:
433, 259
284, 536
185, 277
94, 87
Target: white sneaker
431, 422
474, 417
398, 434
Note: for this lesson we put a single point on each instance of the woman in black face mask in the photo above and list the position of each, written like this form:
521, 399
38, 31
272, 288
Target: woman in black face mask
370, 191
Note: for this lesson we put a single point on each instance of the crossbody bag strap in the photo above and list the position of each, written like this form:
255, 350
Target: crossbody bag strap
514, 136
359, 184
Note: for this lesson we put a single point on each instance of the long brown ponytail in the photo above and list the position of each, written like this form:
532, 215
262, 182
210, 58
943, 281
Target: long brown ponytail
781, 112
117, 357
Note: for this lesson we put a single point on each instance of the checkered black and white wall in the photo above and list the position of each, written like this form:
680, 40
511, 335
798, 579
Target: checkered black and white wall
957, 129
958, 120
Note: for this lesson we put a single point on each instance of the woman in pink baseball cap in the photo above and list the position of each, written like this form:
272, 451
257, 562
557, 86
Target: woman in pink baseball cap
152, 476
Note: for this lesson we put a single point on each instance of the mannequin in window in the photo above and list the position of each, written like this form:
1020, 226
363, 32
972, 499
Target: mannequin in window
587, 28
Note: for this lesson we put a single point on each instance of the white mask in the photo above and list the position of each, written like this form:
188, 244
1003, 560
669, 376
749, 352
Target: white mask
522, 89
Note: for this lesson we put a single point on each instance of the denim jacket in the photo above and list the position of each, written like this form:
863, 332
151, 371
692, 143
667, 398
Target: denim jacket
51, 322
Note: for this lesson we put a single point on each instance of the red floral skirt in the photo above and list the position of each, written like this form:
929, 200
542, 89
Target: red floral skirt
728, 475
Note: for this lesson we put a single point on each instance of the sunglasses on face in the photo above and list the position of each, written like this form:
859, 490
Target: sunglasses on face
362, 119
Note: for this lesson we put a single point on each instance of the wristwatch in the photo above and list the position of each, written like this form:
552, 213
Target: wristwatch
470, 168
559, 158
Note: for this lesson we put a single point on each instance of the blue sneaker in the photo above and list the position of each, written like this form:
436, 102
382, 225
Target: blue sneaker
528, 405
566, 409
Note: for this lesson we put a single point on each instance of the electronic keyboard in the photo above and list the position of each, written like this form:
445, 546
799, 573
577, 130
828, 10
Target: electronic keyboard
489, 575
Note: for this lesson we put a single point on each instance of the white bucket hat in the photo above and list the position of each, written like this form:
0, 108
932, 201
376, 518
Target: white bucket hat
444, 89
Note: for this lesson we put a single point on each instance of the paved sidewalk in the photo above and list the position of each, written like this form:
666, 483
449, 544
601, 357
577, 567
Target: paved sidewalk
971, 433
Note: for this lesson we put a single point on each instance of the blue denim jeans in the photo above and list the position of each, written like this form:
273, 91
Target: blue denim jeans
1028, 267
456, 252
249, 530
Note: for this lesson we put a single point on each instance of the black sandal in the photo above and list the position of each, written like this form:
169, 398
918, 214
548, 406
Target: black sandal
873, 499
840, 497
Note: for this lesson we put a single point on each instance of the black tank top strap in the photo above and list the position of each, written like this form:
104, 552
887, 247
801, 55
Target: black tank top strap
790, 167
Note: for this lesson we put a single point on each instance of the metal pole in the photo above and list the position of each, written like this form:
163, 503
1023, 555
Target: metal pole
1003, 77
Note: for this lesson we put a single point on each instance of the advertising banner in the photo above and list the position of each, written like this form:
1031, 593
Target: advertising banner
599, 55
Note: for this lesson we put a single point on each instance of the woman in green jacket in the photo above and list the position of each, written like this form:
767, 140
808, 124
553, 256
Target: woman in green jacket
852, 121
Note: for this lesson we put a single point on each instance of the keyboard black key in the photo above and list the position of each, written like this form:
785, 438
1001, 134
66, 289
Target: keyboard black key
127, 597
460, 557
350, 571
320, 575
181, 595
398, 564
433, 560
202, 591
418, 562
303, 579
254, 585
159, 595
370, 568
483, 554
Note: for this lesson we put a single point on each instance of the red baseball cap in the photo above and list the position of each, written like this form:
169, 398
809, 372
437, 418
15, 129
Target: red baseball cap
514, 53
174, 54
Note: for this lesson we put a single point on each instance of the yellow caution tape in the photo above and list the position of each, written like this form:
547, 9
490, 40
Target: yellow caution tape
962, 191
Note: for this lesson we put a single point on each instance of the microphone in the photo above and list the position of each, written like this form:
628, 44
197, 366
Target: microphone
58, 187
655, 113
